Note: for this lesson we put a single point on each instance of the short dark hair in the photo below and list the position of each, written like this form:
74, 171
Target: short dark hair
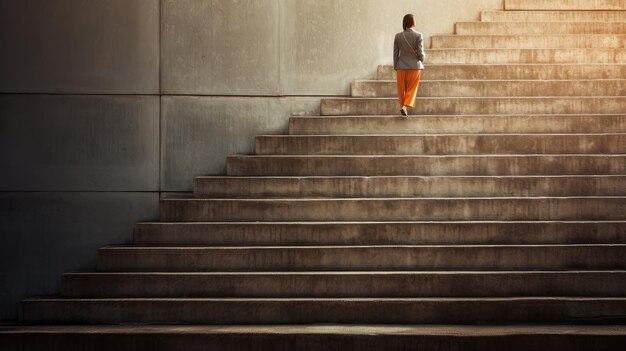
408, 21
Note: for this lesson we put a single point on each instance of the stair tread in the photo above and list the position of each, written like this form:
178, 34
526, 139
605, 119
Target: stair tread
591, 35
522, 49
399, 198
497, 80
377, 222
564, 5
484, 81
208, 177
358, 273
568, 97
549, 22
340, 329
465, 116
433, 156
443, 135
530, 41
450, 125
311, 187
358, 299
219, 311
341, 283
351, 247
572, 64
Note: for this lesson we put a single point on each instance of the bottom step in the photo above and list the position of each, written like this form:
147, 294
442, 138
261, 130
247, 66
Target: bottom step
331, 310
328, 337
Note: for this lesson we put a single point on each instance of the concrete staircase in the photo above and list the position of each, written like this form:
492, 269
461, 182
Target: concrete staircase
500, 202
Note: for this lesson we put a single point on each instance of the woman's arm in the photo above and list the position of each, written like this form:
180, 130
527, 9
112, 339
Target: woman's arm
396, 53
421, 54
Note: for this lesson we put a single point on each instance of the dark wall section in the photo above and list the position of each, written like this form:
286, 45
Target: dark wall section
199, 132
79, 46
79, 143
47, 234
78, 166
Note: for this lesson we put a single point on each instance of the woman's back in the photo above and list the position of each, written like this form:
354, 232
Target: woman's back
408, 49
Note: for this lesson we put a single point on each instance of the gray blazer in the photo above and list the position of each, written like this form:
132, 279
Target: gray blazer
406, 55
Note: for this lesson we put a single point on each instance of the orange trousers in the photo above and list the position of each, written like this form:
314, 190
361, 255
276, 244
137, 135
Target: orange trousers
408, 81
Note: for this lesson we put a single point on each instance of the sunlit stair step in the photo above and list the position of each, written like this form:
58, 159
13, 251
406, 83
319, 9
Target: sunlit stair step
495, 88
500, 165
578, 5
451, 144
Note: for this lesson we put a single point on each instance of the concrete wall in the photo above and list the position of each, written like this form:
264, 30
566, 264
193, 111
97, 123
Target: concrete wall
290, 47
79, 46
108, 105
200, 132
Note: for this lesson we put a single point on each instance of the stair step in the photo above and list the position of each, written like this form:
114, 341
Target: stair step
563, 41
362, 258
565, 5
494, 88
522, 56
487, 124
279, 165
402, 209
553, 16
459, 144
310, 337
345, 284
182, 234
514, 71
476, 105
538, 28
385, 187
306, 311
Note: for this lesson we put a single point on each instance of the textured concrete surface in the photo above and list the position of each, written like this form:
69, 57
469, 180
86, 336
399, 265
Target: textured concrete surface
553, 16
350, 311
485, 124
425, 165
332, 337
221, 47
390, 187
111, 143
522, 56
72, 134
363, 258
484, 88
486, 144
283, 44
345, 284
79, 143
529, 41
198, 133
518, 71
45, 234
476, 106
314, 28
564, 4
412, 209
377, 233
77, 46
530, 28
